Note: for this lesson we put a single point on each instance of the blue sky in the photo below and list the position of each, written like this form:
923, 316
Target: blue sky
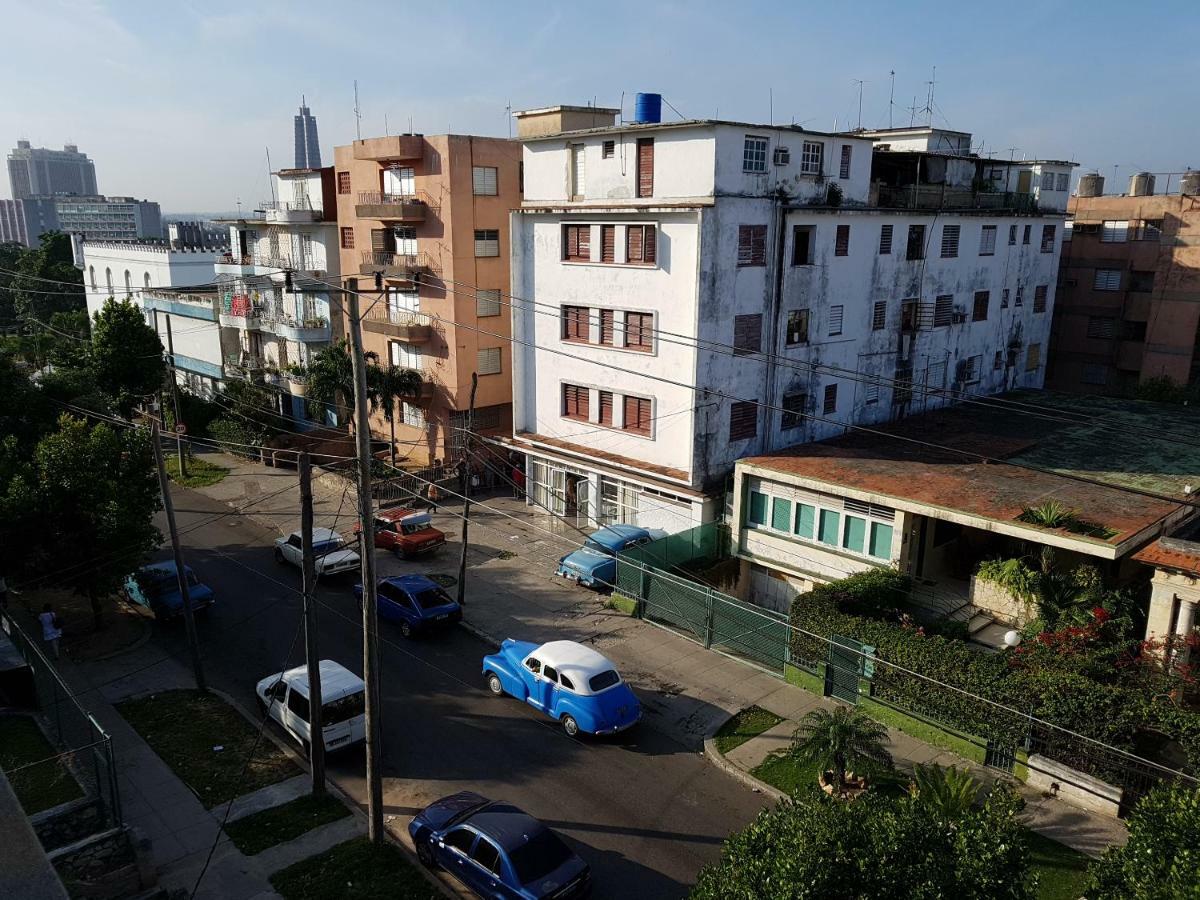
178, 101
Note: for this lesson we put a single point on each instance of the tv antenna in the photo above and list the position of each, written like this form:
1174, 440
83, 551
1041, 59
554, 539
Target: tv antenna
357, 113
860, 84
891, 97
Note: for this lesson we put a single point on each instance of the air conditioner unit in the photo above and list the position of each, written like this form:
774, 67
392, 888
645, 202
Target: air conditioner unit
783, 156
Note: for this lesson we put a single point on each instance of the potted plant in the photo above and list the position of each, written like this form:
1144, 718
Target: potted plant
840, 741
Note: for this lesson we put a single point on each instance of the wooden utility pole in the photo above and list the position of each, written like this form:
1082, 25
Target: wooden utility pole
316, 748
175, 397
366, 548
464, 488
189, 620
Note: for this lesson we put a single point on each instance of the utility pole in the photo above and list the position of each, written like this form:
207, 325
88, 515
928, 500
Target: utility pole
362, 439
316, 746
189, 620
175, 397
464, 488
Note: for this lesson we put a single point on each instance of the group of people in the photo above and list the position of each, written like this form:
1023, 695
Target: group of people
513, 471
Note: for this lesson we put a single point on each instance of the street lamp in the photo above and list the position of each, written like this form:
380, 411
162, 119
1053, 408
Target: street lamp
1012, 638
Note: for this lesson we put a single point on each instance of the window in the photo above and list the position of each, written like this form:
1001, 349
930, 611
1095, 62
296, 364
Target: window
487, 242
487, 361
577, 243
752, 245
404, 355
641, 244
970, 369
608, 243
836, 315
854, 534
841, 243
830, 404
881, 541
563, 679
575, 325
297, 703
608, 327
911, 315
645, 167
1018, 298
578, 171
1047, 181
1150, 230
606, 407
781, 514
92, 276
1033, 357
871, 390
943, 310
128, 282
885, 240
639, 332
343, 181
987, 241
747, 334
1063, 181
145, 280
484, 181
879, 316
1114, 232
1068, 229
812, 158
754, 154
1094, 373
758, 508
487, 302
1040, 294
1133, 331
998, 361
935, 374
1026, 233
1142, 282
1048, 238
916, 242
575, 402
487, 856
461, 839
1012, 235
950, 240
793, 410
802, 245
829, 531
1107, 280
743, 420
806, 520
797, 327
844, 168
1101, 327
1004, 298
637, 415
982, 298
608, 149
411, 414
347, 238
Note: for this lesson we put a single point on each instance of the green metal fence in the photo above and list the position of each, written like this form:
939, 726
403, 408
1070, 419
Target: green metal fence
694, 548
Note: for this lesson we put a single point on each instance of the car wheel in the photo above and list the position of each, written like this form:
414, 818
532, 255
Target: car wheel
406, 630
425, 854
570, 726
495, 685
278, 555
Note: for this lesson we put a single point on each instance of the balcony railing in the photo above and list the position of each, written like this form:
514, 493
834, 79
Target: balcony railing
392, 207
290, 210
405, 324
266, 261
397, 265
939, 196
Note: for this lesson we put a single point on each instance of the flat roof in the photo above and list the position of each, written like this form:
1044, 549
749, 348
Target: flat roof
546, 110
694, 123
1151, 449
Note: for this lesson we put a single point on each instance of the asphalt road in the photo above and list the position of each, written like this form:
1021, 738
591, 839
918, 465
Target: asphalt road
642, 809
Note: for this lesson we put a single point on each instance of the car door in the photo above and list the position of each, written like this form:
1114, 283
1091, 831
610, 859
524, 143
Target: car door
295, 715
548, 689
454, 855
276, 695
385, 537
486, 858
393, 603
293, 550
531, 674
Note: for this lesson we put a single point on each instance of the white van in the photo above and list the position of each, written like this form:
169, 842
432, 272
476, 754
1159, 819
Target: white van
343, 701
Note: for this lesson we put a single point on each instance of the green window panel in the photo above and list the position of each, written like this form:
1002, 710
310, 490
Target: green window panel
781, 513
881, 541
854, 537
806, 520
758, 508
830, 533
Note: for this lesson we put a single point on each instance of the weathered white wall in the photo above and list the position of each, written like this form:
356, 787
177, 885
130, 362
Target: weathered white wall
165, 268
732, 179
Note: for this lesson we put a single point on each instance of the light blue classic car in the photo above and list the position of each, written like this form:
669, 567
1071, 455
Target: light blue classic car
595, 563
569, 682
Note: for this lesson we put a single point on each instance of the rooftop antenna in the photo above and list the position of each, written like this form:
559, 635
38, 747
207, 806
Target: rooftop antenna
508, 117
891, 98
270, 180
357, 113
771, 105
385, 126
928, 109
912, 112
860, 84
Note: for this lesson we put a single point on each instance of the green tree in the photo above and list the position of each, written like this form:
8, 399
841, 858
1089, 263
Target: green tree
11, 254
127, 355
330, 379
48, 281
390, 385
249, 413
1161, 860
841, 740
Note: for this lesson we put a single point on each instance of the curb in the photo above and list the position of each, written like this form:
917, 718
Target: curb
714, 756
484, 636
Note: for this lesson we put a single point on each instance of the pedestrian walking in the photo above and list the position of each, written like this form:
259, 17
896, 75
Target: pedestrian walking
433, 495
51, 628
518, 480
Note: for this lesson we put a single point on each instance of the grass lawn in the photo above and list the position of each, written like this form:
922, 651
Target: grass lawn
279, 824
1061, 871
750, 722
785, 773
38, 787
183, 727
200, 472
355, 870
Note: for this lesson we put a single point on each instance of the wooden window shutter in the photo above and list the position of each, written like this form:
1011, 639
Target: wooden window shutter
575, 401
637, 415
743, 420
607, 326
585, 241
747, 334
650, 244
572, 241
606, 408
608, 243
638, 331
645, 167
634, 247
379, 238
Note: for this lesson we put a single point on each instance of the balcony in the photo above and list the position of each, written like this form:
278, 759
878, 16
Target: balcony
260, 264
277, 212
385, 149
239, 312
308, 331
394, 265
406, 208
294, 384
192, 306
402, 324
939, 196
242, 365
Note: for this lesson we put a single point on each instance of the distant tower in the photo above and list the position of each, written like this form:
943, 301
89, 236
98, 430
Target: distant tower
308, 150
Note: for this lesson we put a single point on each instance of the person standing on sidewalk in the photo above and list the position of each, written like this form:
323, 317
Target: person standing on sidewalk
51, 628
433, 495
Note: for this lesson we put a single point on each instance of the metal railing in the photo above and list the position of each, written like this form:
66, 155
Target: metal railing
939, 196
393, 315
287, 205
391, 259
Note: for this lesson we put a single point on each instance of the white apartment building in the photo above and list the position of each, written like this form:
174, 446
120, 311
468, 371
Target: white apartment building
683, 278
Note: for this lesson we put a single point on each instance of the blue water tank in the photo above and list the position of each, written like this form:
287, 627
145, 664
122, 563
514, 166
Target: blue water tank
647, 108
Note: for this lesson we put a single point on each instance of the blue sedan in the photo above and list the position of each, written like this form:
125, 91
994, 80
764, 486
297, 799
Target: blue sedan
595, 563
569, 682
416, 604
156, 587
497, 850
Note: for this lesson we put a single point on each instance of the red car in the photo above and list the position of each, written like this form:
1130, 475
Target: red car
406, 532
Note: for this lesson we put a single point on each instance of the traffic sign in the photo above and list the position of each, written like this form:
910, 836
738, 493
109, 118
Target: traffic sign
180, 428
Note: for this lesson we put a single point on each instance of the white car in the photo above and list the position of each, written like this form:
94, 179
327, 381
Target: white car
284, 696
329, 548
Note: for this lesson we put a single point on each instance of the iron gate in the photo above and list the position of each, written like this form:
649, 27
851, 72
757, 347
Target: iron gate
845, 668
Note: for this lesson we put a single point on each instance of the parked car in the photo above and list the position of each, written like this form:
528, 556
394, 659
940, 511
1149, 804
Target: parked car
569, 682
497, 850
156, 587
594, 564
343, 718
329, 548
406, 532
415, 603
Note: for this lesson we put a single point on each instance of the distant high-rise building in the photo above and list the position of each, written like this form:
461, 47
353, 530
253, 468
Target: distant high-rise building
41, 172
308, 149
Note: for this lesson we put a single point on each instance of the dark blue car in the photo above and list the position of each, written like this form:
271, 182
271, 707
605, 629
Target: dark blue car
416, 604
156, 587
595, 563
497, 850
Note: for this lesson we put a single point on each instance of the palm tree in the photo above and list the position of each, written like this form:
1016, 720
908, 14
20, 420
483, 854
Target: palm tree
330, 378
391, 383
948, 791
840, 741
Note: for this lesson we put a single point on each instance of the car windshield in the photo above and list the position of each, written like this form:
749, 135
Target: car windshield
589, 544
413, 529
331, 546
340, 710
603, 681
432, 597
539, 856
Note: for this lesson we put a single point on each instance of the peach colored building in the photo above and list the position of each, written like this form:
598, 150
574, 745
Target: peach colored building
430, 214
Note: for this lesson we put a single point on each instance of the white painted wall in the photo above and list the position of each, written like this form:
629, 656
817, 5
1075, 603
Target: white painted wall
285, 187
163, 267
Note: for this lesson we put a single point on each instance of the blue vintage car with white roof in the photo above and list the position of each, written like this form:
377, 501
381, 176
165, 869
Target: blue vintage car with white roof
595, 563
569, 682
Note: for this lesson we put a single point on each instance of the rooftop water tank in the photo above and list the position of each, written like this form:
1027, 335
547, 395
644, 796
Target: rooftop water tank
1141, 184
1190, 183
647, 108
1090, 185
